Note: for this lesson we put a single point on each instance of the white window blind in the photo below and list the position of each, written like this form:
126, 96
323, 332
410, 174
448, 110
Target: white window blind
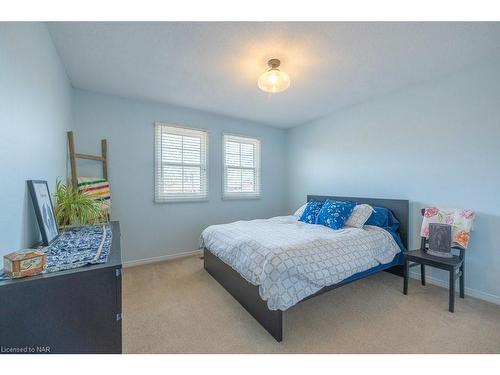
181, 163
241, 167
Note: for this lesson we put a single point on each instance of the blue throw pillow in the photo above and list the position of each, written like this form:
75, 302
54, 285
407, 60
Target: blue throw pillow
383, 217
334, 214
311, 212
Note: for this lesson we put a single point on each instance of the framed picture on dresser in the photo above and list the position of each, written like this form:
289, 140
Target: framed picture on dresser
44, 211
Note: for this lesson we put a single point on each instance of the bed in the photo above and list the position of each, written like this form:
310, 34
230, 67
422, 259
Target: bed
271, 265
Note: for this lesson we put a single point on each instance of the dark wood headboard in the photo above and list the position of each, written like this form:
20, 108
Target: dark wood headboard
400, 208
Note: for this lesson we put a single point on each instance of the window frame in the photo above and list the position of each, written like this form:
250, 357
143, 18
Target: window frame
204, 155
257, 168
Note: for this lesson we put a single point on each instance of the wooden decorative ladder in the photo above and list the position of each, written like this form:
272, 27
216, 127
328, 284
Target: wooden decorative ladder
73, 156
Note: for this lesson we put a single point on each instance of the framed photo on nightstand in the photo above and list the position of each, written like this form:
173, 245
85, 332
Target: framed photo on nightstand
440, 240
44, 211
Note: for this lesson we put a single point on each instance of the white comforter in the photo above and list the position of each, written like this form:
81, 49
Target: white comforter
290, 260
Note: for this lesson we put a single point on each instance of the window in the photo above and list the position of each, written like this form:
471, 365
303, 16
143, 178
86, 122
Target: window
241, 167
181, 163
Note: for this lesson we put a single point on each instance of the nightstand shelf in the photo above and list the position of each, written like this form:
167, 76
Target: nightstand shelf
455, 266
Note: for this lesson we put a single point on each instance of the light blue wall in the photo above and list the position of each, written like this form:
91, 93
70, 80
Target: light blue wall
35, 112
435, 144
150, 229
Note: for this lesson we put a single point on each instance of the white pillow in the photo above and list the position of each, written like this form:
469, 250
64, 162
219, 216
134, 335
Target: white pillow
359, 216
300, 211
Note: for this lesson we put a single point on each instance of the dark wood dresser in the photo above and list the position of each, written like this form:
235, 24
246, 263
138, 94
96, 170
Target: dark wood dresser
73, 311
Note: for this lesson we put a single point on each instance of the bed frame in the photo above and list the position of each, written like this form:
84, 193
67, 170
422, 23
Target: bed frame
248, 295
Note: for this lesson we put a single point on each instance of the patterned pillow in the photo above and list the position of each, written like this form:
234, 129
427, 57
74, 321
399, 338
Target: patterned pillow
359, 216
311, 212
334, 214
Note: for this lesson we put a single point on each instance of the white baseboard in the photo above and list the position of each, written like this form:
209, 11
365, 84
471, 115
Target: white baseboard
140, 262
468, 291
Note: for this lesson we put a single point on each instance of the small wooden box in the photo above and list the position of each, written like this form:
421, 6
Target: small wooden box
24, 263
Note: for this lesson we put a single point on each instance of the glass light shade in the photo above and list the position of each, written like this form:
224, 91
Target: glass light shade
274, 80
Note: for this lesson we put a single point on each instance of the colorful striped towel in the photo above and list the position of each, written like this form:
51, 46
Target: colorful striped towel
98, 188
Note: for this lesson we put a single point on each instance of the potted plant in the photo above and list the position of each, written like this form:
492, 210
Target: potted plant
77, 208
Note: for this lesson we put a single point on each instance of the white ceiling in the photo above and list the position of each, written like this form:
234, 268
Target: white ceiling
214, 66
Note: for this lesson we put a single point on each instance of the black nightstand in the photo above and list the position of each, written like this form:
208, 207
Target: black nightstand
72, 311
452, 265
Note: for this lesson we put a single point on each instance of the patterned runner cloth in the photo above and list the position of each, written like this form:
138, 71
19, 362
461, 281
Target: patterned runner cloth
77, 247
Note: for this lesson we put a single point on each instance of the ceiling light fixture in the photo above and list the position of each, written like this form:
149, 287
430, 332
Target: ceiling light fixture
274, 80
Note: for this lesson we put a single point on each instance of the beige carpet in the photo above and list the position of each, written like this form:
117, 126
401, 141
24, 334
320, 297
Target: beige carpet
176, 307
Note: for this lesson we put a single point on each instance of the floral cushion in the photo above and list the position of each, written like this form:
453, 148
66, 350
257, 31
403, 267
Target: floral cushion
360, 214
461, 221
311, 212
334, 214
